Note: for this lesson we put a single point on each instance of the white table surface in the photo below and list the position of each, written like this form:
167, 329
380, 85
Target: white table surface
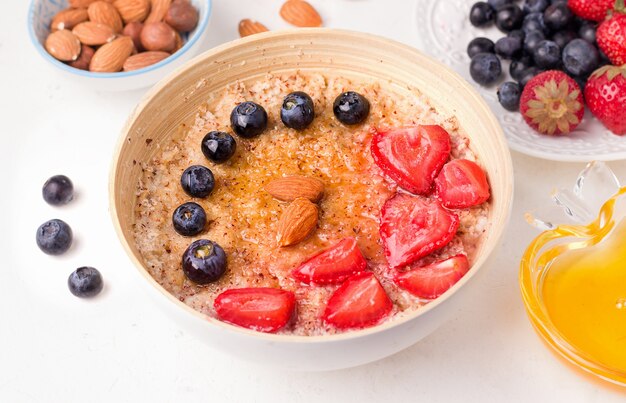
56, 348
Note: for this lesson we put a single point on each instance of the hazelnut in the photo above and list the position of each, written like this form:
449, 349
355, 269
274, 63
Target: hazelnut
158, 36
86, 53
182, 16
133, 29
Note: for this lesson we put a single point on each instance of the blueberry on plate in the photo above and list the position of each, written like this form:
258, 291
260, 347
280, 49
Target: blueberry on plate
197, 181
496, 4
517, 67
562, 38
509, 17
189, 219
218, 146
485, 68
587, 31
481, 14
509, 95
534, 22
85, 282
58, 190
297, 111
547, 55
480, 45
204, 262
535, 6
580, 58
532, 40
509, 48
248, 119
558, 16
351, 108
528, 75
54, 237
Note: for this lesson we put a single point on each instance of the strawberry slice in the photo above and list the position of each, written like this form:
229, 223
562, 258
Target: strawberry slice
412, 227
359, 302
462, 183
333, 265
261, 309
412, 156
433, 280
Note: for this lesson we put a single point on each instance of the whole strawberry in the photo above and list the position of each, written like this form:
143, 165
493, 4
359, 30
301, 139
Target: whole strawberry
595, 10
605, 94
611, 35
552, 103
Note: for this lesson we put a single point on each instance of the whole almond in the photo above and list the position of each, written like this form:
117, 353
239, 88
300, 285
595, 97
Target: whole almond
144, 59
158, 36
182, 16
86, 53
133, 29
63, 45
93, 33
290, 188
68, 18
158, 10
80, 3
105, 13
250, 27
297, 222
300, 13
110, 57
179, 42
133, 10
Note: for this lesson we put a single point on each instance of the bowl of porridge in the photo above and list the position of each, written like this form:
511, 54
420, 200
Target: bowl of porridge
313, 199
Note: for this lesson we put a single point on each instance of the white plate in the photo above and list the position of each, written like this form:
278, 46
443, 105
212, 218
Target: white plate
445, 30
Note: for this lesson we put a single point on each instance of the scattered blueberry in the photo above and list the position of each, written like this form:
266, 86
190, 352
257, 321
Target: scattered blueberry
547, 55
562, 38
535, 6
509, 96
85, 282
587, 31
481, 14
580, 58
508, 48
480, 45
297, 111
248, 119
189, 219
558, 16
218, 146
485, 68
532, 40
54, 237
534, 22
496, 4
58, 190
528, 75
517, 67
351, 108
509, 17
197, 181
204, 262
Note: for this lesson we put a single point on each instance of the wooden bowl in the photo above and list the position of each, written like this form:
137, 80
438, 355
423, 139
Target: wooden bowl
176, 100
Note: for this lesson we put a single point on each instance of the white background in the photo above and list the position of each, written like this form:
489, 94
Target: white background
118, 347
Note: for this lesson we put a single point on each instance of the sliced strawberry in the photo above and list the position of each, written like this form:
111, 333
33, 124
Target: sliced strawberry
261, 309
359, 302
412, 227
333, 265
461, 184
433, 280
412, 156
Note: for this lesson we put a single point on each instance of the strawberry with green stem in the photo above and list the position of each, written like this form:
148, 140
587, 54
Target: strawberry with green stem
605, 94
611, 35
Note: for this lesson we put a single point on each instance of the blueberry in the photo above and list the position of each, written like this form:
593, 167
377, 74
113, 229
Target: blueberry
562, 38
197, 181
508, 48
558, 16
517, 33
481, 14
297, 111
248, 119
547, 55
85, 282
189, 219
509, 17
485, 68
587, 31
529, 74
534, 6
580, 58
508, 95
54, 237
496, 4
534, 22
581, 81
218, 146
58, 190
532, 40
517, 67
480, 45
204, 262
351, 108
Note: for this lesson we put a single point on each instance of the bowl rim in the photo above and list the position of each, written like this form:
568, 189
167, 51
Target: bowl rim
199, 31
479, 104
